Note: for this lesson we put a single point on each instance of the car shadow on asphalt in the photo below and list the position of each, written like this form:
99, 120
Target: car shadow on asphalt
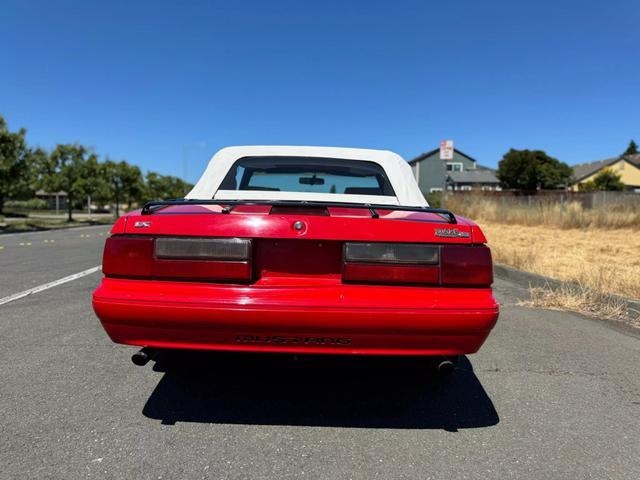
357, 392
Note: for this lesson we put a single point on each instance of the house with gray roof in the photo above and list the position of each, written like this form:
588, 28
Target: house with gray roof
462, 173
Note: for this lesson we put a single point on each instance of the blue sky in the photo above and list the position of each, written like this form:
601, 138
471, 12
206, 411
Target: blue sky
155, 83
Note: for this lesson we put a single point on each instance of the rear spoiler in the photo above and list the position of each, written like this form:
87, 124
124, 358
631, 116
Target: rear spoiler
228, 205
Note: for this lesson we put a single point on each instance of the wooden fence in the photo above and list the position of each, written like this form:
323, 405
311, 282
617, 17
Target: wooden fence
587, 200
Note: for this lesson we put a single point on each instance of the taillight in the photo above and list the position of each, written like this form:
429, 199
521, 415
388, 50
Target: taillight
415, 263
210, 259
367, 273
128, 256
411, 263
228, 249
397, 253
465, 266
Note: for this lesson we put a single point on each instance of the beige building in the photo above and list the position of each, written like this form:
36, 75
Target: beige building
628, 167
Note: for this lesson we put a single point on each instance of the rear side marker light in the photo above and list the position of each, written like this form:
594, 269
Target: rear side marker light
225, 249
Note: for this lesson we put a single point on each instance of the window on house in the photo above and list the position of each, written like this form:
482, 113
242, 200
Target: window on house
454, 167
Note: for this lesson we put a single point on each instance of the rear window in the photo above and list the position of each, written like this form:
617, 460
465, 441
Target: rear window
308, 174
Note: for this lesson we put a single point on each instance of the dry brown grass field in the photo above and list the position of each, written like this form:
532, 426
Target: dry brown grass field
597, 249
607, 260
569, 215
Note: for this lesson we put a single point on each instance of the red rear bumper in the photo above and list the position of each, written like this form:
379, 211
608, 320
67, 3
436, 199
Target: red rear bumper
331, 318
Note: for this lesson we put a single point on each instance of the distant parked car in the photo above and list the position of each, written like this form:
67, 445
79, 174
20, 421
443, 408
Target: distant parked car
299, 250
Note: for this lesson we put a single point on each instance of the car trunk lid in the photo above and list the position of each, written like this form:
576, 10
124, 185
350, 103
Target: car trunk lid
303, 223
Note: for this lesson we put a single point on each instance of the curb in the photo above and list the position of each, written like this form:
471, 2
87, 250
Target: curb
527, 279
522, 278
53, 229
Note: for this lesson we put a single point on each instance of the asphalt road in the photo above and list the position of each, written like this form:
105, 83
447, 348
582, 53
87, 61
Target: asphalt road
550, 395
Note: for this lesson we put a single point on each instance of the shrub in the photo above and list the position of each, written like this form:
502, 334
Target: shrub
31, 204
434, 199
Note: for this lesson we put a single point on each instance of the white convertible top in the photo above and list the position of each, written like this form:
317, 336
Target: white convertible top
397, 169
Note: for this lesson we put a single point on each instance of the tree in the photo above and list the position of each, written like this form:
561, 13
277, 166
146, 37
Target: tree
92, 183
16, 174
64, 171
165, 187
125, 183
632, 149
605, 180
531, 170
133, 184
114, 173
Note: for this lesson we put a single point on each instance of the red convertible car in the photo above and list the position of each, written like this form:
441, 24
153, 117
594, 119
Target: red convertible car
299, 250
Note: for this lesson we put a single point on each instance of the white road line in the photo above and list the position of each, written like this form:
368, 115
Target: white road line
49, 285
